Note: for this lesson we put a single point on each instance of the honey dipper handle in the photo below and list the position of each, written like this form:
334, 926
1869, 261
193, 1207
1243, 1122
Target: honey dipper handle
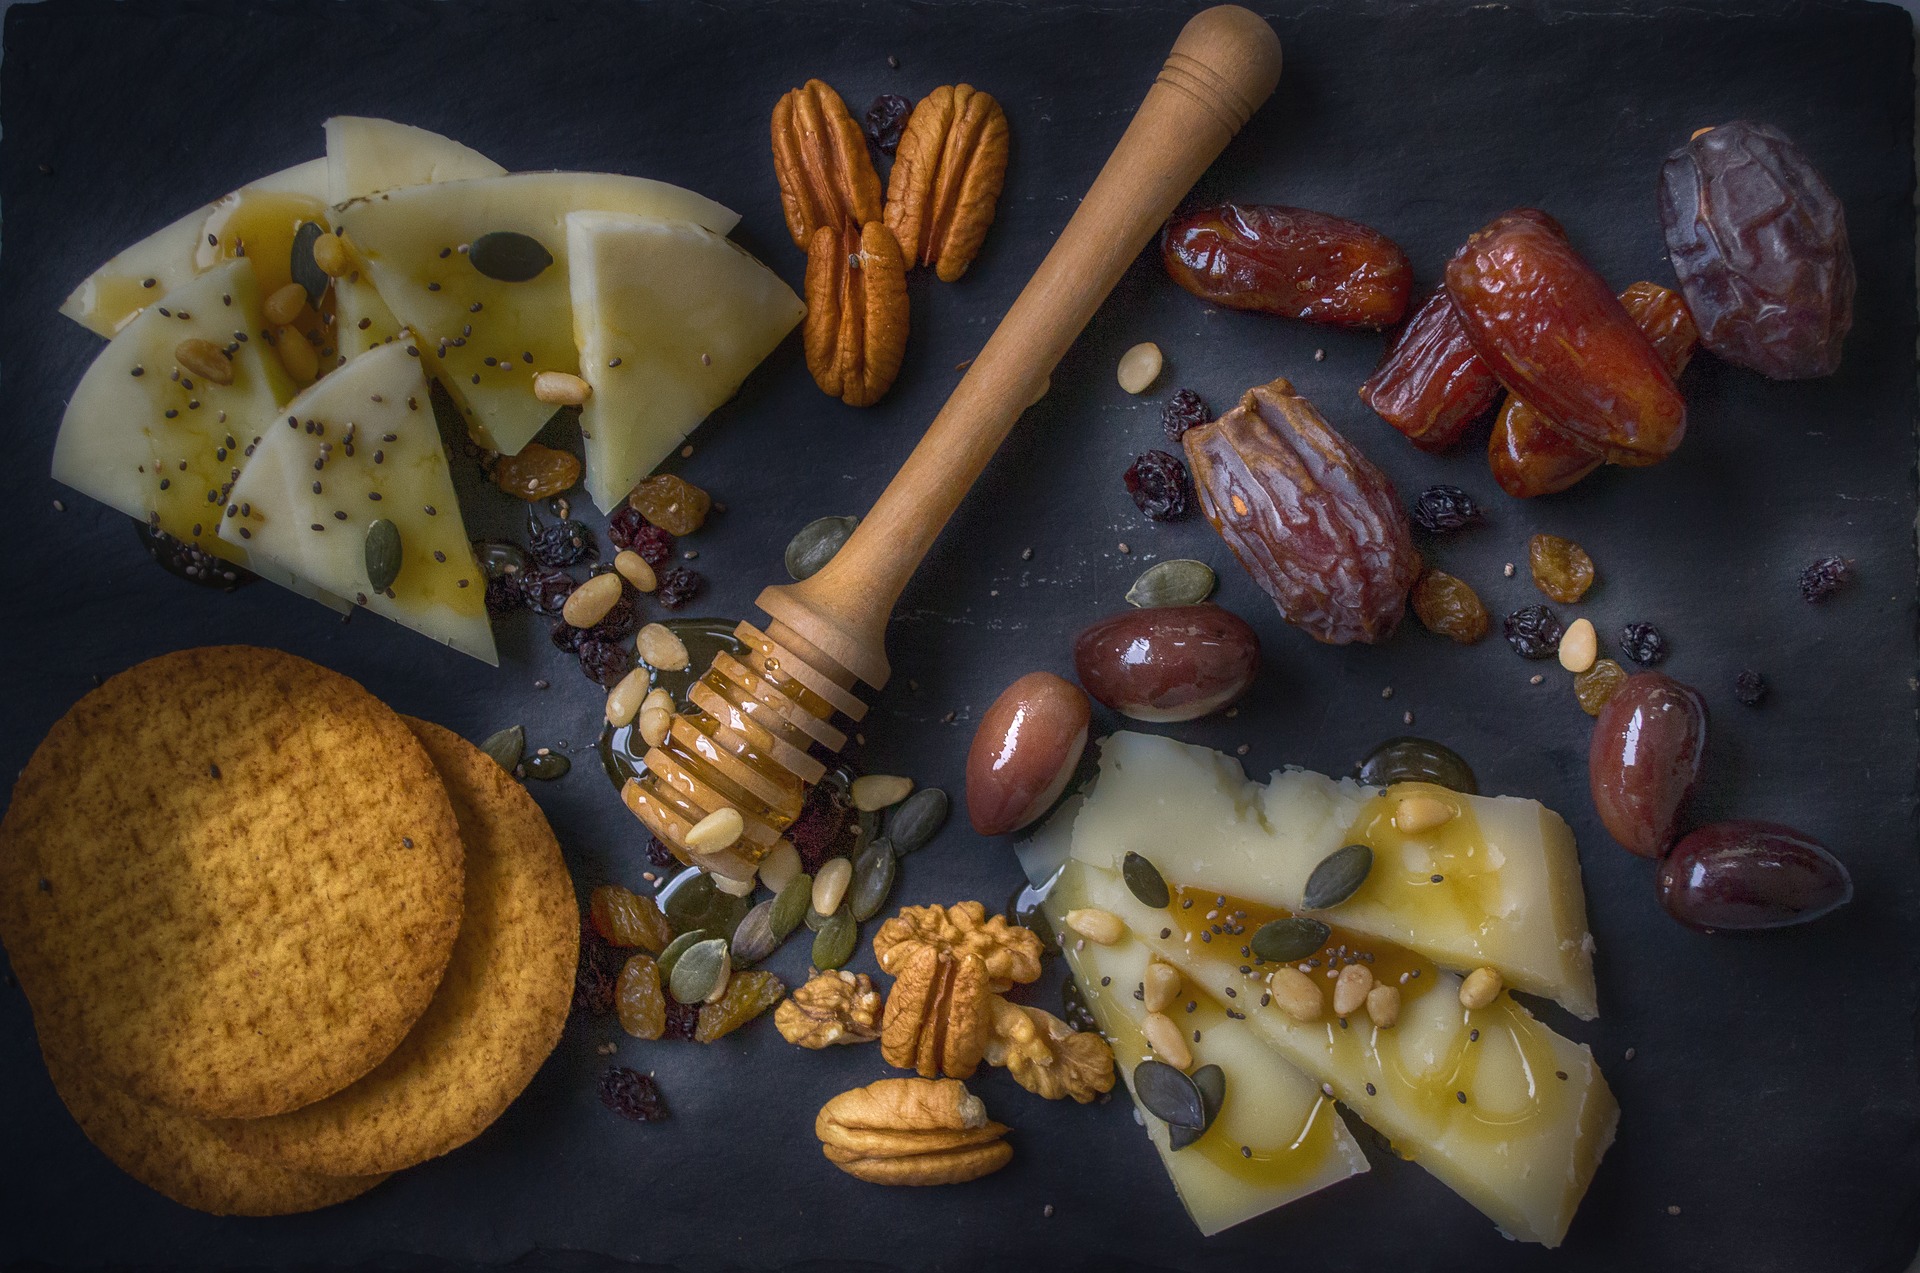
1224, 65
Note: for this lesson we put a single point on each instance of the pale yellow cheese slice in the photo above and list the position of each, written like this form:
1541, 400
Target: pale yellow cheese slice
366, 156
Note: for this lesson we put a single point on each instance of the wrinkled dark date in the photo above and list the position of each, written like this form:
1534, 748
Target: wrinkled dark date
1744, 875
1310, 517
1557, 337
1290, 262
1648, 743
1431, 385
1760, 245
1529, 456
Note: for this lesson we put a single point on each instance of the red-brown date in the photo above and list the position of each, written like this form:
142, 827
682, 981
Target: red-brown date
1170, 663
1648, 743
1760, 245
1025, 751
1431, 385
1557, 337
1746, 875
1290, 262
1318, 527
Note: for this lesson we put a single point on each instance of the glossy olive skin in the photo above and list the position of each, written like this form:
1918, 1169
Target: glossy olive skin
1169, 664
1024, 752
1746, 875
1648, 744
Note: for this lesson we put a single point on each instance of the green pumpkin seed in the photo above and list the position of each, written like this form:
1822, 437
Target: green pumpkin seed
1145, 882
509, 256
1182, 582
679, 946
1211, 1081
816, 543
700, 968
1281, 941
833, 944
1410, 759
1338, 877
383, 554
791, 906
305, 271
1169, 1095
815, 921
918, 820
547, 766
506, 747
754, 939
873, 873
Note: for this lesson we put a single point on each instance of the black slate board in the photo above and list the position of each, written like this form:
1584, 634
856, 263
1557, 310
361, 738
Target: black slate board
1772, 1098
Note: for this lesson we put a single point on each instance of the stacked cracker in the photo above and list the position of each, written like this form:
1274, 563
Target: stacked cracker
279, 940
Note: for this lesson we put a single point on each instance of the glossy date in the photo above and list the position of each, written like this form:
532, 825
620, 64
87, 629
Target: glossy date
1290, 262
1431, 385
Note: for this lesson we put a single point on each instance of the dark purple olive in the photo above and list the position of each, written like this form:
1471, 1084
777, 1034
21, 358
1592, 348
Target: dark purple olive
1168, 663
1647, 747
1747, 875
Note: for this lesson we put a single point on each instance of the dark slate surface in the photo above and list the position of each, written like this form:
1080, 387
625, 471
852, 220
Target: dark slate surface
1772, 1098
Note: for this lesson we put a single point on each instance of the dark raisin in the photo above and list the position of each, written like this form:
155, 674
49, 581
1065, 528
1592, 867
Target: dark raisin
545, 589
628, 528
565, 543
632, 1094
660, 855
597, 975
604, 662
885, 121
1534, 632
1750, 687
504, 595
1441, 510
1183, 411
682, 1019
677, 587
566, 638
1643, 643
619, 621
1160, 486
818, 833
1825, 577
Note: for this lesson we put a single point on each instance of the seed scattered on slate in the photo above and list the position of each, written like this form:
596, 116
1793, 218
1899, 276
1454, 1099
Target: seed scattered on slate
791, 906
754, 939
1145, 881
506, 747
699, 969
873, 873
1338, 877
833, 944
1181, 582
814, 544
678, 947
918, 819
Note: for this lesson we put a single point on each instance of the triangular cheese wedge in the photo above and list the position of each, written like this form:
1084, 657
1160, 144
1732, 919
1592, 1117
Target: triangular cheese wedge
490, 337
358, 447
1498, 886
366, 156
669, 318
153, 267
361, 320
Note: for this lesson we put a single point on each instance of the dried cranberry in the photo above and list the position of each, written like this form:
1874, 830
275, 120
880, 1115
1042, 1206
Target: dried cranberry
660, 855
1183, 411
597, 974
682, 1019
1750, 687
565, 543
1441, 510
1160, 486
886, 121
1825, 577
604, 662
628, 528
1643, 643
632, 1094
545, 589
822, 824
677, 587
504, 595
1534, 632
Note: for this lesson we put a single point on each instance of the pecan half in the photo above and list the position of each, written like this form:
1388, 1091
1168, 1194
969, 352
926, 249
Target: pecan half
938, 1014
911, 1132
820, 158
856, 326
947, 177
1011, 953
833, 1007
1047, 1056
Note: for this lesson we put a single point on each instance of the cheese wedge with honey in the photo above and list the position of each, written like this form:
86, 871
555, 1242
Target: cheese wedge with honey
478, 270
146, 272
366, 156
1498, 884
362, 447
669, 318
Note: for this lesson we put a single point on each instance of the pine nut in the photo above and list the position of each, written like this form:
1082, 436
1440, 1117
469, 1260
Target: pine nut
331, 255
296, 355
780, 866
623, 703
634, 569
830, 886
1164, 1037
1162, 986
873, 792
561, 388
732, 887
1296, 994
1140, 367
719, 830
655, 723
1414, 814
661, 648
284, 305
657, 698
204, 359
1350, 989
1579, 646
1103, 928
592, 601
1383, 1005
1481, 987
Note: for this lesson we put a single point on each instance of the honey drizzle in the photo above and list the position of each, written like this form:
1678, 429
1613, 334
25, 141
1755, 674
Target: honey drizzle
1445, 875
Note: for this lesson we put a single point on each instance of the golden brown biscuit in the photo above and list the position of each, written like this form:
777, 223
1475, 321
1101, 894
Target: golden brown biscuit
231, 878
498, 1013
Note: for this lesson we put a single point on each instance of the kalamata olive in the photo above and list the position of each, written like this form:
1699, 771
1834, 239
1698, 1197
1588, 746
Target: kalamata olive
1647, 747
1168, 664
1746, 875
1026, 748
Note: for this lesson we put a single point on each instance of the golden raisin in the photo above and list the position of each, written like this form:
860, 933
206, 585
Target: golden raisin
1450, 607
637, 997
624, 918
748, 994
1561, 568
672, 503
1596, 685
537, 473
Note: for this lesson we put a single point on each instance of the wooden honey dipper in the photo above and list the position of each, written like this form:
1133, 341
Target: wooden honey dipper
746, 745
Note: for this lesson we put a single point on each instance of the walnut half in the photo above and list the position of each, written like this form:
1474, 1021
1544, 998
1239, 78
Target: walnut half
911, 1132
1047, 1056
1011, 953
833, 1007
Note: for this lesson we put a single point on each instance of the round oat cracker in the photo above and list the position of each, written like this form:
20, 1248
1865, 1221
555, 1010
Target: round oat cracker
231, 879
497, 1015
